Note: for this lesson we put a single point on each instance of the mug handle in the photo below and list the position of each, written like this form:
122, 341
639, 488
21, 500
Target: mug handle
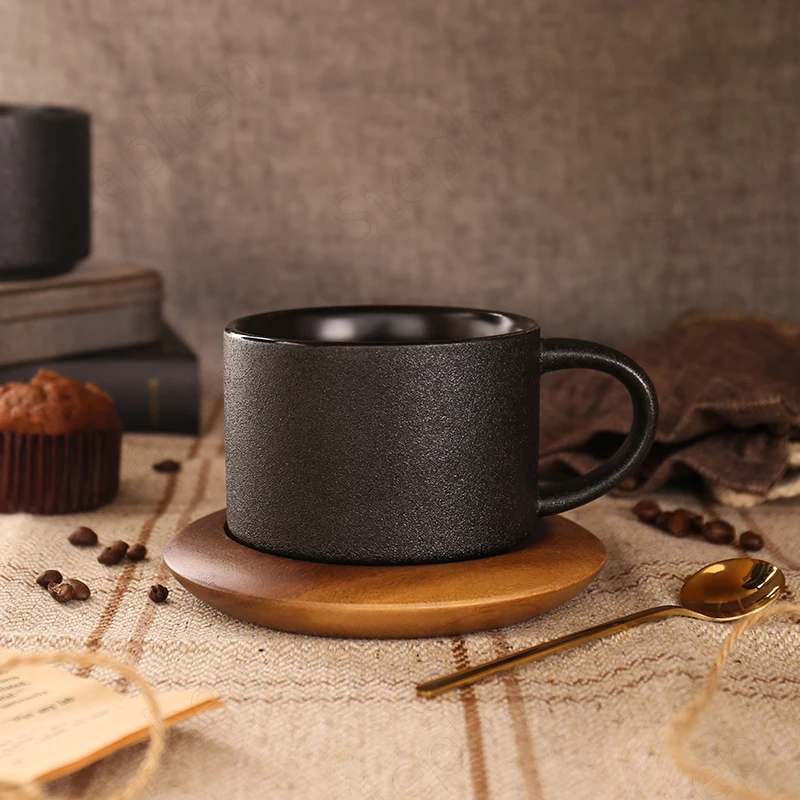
559, 354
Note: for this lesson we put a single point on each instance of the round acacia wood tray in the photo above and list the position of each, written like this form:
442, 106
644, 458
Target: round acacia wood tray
385, 601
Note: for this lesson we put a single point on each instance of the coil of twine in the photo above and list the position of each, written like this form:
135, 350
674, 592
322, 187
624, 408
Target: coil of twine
157, 728
682, 725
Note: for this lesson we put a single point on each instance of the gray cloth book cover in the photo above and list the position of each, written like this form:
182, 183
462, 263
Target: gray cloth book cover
97, 307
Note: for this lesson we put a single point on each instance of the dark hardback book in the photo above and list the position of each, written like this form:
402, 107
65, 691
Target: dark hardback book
156, 387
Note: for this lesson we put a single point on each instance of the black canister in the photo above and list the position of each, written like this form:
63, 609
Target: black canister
45, 178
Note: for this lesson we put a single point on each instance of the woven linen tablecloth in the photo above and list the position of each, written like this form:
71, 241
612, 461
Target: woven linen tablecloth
323, 718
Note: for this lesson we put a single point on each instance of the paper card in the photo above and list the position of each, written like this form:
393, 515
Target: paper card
53, 723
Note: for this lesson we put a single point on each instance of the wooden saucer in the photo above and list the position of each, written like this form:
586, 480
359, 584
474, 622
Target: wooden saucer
385, 602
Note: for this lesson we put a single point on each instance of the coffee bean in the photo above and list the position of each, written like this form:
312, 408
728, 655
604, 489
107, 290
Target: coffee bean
168, 465
49, 576
750, 540
647, 510
630, 483
120, 545
158, 593
137, 552
678, 524
83, 537
111, 555
82, 591
62, 592
662, 520
694, 519
717, 531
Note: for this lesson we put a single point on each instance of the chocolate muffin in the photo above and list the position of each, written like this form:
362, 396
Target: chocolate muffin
59, 446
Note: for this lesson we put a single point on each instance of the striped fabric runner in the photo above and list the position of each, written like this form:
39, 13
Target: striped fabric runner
322, 718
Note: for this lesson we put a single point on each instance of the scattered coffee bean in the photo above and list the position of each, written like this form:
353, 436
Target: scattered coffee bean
168, 465
683, 522
694, 519
678, 524
717, 531
83, 537
137, 552
82, 591
111, 555
647, 510
158, 593
750, 540
49, 576
120, 545
63, 592
662, 520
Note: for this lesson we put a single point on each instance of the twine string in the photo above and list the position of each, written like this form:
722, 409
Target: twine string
156, 728
682, 725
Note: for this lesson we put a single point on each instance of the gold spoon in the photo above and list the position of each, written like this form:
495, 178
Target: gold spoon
721, 592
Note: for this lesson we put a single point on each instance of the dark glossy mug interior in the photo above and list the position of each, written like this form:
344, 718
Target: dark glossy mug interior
375, 325
401, 434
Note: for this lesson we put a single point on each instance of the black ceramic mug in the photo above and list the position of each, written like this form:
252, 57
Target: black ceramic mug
45, 190
401, 434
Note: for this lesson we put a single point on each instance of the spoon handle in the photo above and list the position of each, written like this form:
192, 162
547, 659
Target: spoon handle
468, 676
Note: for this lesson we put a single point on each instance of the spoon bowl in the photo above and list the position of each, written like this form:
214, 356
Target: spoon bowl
732, 589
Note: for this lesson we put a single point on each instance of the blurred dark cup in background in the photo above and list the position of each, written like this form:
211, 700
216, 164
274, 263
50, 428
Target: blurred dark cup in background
45, 176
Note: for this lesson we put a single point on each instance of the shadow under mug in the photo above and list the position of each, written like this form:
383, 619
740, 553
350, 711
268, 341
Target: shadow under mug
401, 434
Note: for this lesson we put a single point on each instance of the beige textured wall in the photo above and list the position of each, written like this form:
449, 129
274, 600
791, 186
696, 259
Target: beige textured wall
621, 160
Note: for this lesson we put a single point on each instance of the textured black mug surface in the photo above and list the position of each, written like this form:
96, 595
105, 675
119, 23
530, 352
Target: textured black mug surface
397, 435
45, 176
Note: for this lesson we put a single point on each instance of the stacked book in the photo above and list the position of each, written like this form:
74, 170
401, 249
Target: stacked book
102, 323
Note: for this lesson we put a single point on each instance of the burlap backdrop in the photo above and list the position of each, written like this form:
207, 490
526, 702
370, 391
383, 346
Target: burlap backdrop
600, 166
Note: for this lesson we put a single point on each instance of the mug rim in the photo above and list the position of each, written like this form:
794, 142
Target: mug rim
49, 111
238, 327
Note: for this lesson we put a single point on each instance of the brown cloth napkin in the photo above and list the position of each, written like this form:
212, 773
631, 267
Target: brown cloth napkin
729, 391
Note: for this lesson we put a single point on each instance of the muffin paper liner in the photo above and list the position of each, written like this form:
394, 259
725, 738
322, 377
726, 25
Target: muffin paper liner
58, 474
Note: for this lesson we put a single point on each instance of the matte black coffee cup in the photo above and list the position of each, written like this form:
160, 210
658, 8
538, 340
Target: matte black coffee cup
45, 183
401, 435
